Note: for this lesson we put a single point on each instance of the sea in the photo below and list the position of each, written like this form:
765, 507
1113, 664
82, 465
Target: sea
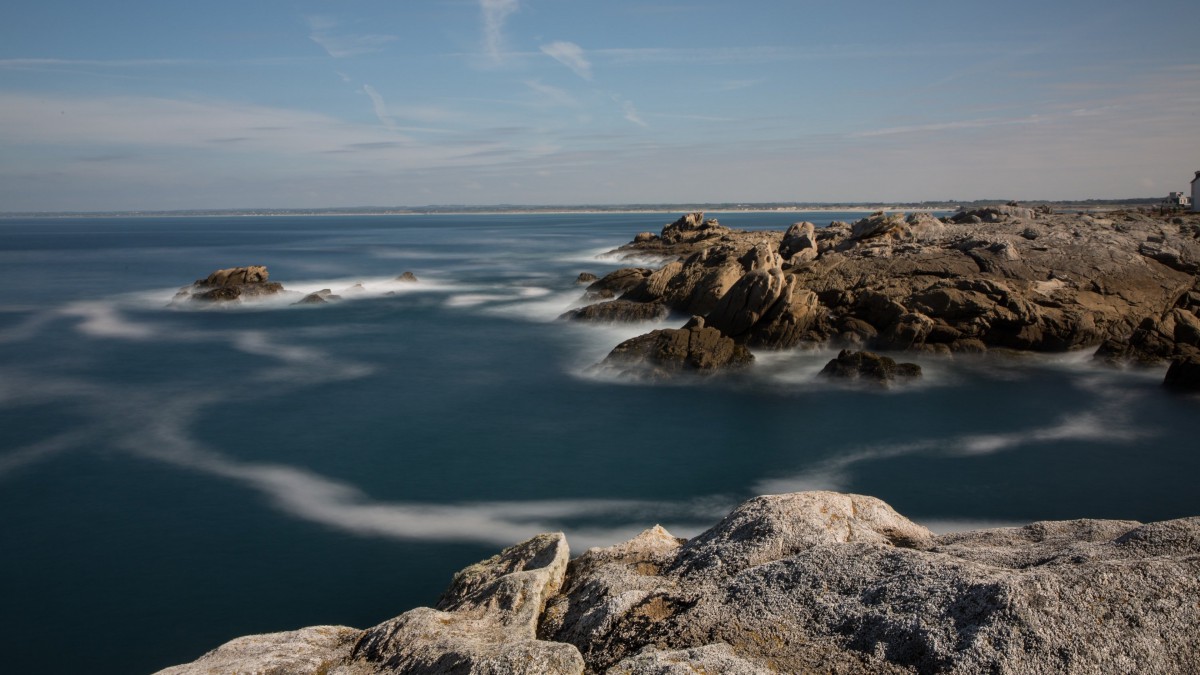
173, 476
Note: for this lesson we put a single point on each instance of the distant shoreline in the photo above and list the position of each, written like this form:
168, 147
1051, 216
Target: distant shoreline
675, 209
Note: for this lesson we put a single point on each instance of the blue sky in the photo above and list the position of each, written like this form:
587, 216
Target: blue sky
310, 103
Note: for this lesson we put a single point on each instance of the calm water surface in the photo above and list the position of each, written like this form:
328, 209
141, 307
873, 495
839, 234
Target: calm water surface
171, 478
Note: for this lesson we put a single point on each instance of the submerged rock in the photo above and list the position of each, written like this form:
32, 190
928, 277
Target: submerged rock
793, 583
318, 298
408, 278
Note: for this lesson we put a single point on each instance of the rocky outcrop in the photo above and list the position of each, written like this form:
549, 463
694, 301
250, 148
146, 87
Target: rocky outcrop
799, 243
804, 582
850, 365
1005, 276
618, 311
669, 351
486, 622
231, 284
1164, 337
617, 282
585, 278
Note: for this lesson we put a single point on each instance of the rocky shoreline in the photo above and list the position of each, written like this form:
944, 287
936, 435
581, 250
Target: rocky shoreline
804, 582
1004, 277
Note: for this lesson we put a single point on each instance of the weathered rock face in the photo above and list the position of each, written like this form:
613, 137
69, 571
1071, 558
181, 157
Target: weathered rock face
231, 284
1164, 337
841, 583
312, 650
851, 365
617, 282
804, 582
695, 347
235, 276
486, 622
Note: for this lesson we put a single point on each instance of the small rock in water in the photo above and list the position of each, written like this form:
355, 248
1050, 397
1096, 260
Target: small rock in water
408, 278
870, 366
585, 278
230, 284
318, 298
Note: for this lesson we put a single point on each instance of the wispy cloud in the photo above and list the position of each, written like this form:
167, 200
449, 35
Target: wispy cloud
552, 95
380, 107
631, 113
948, 126
495, 13
341, 45
570, 55
20, 64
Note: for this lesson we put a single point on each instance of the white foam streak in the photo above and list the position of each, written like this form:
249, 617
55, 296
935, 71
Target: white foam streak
638, 259
1107, 423
309, 496
548, 307
103, 320
27, 329
40, 451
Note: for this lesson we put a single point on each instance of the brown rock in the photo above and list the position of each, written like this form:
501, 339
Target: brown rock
665, 352
617, 311
852, 365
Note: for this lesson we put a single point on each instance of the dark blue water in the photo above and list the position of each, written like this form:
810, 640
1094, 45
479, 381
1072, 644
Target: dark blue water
173, 478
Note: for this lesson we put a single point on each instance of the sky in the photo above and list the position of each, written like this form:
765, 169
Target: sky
155, 104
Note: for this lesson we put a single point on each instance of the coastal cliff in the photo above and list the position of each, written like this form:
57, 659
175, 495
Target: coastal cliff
803, 582
1007, 277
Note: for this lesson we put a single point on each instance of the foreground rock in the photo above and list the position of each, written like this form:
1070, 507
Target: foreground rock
486, 622
869, 366
1004, 276
231, 284
805, 582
